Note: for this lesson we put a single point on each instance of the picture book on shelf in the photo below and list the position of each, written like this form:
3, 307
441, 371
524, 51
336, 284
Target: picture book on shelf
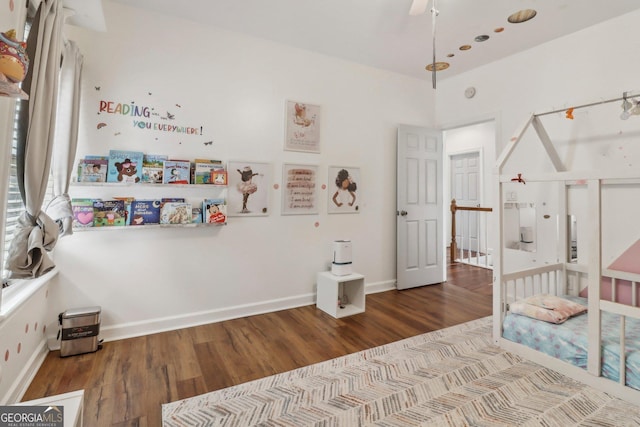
203, 170
108, 213
82, 212
153, 168
92, 170
124, 166
127, 208
214, 211
145, 212
175, 213
196, 215
219, 177
176, 172
171, 199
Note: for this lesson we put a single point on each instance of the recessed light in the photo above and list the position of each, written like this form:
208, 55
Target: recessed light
522, 16
465, 47
450, 55
439, 66
482, 38
498, 30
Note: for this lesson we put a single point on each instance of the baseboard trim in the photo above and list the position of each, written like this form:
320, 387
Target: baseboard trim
147, 327
374, 288
28, 372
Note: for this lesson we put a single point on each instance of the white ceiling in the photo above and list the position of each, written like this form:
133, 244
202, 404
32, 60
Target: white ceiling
381, 34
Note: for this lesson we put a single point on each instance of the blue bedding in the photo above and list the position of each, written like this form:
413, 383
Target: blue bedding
568, 341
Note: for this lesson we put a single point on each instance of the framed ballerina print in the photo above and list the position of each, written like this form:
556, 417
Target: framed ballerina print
248, 188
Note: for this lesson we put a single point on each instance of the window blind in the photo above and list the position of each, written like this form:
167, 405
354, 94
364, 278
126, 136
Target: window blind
15, 207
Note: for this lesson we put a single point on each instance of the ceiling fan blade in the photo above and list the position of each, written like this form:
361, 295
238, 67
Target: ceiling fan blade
418, 7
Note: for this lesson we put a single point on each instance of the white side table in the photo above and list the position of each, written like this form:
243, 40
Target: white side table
333, 289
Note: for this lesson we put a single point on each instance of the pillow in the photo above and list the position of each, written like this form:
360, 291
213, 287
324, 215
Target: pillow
548, 308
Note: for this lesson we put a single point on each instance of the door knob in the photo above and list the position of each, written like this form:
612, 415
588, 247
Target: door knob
403, 213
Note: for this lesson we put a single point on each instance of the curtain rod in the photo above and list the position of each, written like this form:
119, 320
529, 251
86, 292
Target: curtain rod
591, 104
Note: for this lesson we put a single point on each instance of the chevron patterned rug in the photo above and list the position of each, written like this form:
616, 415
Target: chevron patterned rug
450, 377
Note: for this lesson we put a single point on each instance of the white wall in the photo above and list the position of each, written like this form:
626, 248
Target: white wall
235, 87
595, 64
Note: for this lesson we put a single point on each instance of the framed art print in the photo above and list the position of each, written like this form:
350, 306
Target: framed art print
302, 127
248, 188
299, 189
343, 188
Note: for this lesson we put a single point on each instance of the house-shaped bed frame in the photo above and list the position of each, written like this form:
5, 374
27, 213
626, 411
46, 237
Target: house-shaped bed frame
554, 278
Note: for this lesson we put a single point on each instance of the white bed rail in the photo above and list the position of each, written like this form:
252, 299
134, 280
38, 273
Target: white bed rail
619, 279
547, 279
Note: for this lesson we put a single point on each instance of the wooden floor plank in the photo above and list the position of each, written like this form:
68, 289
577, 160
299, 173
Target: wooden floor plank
128, 380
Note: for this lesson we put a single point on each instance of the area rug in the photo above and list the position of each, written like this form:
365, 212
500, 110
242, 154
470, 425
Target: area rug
451, 377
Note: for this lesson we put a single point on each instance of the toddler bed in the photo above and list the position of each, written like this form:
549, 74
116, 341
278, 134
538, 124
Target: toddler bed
602, 346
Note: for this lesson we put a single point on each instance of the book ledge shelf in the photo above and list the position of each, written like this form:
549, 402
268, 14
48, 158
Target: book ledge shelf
146, 227
156, 212
144, 184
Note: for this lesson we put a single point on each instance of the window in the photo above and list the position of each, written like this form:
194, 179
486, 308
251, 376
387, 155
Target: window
15, 207
14, 201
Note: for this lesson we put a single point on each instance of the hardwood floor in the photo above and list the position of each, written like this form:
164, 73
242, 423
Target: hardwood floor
126, 382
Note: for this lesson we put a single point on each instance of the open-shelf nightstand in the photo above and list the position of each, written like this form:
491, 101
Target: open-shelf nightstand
333, 289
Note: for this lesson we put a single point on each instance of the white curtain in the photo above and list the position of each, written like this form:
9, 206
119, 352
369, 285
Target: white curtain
66, 137
36, 233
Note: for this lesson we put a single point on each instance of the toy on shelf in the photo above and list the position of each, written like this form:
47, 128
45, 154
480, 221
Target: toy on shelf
14, 64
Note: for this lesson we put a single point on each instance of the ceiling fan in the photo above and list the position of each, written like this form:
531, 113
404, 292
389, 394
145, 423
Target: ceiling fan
418, 7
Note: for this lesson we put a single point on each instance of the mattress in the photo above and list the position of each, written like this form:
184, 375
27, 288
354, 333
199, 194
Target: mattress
568, 341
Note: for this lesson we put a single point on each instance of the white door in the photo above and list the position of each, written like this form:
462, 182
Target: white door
420, 240
465, 189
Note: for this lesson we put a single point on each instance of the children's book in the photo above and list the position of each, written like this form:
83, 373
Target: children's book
124, 166
127, 208
175, 213
108, 213
214, 211
145, 212
203, 170
176, 172
171, 199
92, 170
196, 215
82, 212
153, 168
219, 177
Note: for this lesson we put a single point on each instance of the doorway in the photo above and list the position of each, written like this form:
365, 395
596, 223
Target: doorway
470, 152
422, 241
